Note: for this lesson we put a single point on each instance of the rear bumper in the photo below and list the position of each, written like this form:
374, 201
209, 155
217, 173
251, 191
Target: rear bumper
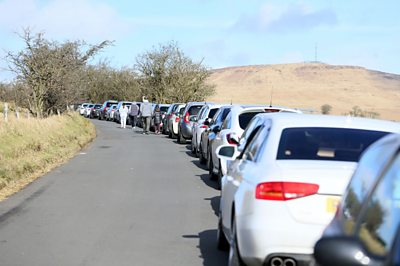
186, 131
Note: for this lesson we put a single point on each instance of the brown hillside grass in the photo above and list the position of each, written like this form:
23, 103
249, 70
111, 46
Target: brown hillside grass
309, 86
31, 147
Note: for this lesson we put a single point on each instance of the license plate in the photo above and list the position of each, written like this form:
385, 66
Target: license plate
331, 204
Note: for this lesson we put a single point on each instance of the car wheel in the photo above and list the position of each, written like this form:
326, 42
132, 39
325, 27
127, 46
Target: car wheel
234, 256
210, 167
201, 156
219, 176
192, 147
181, 140
222, 242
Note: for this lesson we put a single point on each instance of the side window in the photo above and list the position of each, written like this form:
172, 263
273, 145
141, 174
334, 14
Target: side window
227, 123
380, 220
247, 133
253, 143
365, 176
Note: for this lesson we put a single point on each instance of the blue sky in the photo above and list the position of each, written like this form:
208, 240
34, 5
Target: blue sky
220, 32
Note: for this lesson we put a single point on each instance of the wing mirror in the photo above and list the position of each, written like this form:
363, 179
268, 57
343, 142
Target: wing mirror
216, 129
226, 152
333, 251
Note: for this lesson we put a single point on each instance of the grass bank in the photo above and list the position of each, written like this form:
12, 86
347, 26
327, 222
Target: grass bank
31, 147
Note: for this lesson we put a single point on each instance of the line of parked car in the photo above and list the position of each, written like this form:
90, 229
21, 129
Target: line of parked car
286, 181
293, 188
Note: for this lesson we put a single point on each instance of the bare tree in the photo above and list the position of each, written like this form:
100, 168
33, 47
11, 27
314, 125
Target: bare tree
167, 75
50, 73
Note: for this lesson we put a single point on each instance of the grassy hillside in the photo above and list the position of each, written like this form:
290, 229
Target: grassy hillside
309, 86
31, 147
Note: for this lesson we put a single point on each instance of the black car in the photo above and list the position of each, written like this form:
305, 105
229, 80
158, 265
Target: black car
366, 228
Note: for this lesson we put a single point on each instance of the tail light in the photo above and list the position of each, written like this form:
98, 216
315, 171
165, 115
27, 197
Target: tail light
203, 126
230, 140
177, 119
283, 191
186, 118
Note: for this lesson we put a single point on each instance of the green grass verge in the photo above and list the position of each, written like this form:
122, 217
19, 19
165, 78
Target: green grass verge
32, 147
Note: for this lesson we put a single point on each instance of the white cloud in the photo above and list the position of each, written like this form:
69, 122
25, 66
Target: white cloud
282, 19
73, 19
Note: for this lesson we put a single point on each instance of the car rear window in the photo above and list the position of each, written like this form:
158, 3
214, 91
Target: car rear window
245, 118
194, 110
333, 144
164, 109
212, 112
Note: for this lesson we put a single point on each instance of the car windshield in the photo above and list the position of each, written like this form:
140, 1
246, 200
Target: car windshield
194, 110
244, 119
334, 144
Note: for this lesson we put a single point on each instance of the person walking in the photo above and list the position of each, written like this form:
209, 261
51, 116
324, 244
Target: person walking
133, 113
123, 113
157, 119
146, 112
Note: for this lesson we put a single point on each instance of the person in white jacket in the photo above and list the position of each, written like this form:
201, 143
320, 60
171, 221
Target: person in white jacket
123, 113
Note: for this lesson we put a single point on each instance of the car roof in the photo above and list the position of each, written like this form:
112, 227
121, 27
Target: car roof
290, 120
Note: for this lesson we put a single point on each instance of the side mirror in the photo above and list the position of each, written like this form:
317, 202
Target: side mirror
216, 129
226, 152
207, 122
334, 251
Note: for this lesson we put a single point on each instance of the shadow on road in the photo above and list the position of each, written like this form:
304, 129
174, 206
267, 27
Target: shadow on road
208, 182
208, 248
199, 165
214, 202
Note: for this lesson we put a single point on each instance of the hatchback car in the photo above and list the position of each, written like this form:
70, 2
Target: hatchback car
201, 123
231, 130
366, 227
282, 189
173, 121
171, 110
186, 121
103, 110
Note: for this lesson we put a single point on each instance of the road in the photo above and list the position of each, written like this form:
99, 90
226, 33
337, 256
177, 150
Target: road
128, 199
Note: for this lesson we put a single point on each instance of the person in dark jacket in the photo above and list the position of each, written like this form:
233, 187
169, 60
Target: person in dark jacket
157, 119
133, 113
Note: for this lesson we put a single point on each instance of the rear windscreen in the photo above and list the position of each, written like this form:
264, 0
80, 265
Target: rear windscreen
212, 112
194, 110
164, 109
245, 118
334, 144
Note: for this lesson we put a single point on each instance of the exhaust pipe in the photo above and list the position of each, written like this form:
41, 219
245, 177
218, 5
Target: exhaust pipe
289, 262
276, 261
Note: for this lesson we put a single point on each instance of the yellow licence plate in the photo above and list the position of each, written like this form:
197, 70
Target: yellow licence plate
331, 204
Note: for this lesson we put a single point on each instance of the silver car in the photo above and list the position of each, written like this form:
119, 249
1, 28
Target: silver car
186, 121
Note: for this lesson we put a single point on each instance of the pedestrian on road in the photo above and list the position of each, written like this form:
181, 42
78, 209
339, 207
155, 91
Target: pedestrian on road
157, 119
133, 113
146, 112
123, 113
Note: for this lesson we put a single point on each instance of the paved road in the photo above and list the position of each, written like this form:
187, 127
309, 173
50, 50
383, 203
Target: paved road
128, 199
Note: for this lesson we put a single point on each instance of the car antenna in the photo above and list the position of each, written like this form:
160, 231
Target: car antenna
270, 99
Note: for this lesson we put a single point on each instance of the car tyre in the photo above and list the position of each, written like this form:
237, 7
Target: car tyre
222, 242
234, 255
201, 156
210, 167
181, 140
219, 177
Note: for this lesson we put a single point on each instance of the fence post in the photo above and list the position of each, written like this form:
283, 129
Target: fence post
5, 111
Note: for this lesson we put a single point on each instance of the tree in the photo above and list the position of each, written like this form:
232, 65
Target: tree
50, 73
358, 112
326, 109
167, 75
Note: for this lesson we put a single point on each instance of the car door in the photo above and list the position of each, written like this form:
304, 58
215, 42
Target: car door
233, 178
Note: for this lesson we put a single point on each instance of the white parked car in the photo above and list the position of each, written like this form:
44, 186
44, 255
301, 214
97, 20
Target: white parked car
201, 123
82, 108
281, 191
173, 121
231, 130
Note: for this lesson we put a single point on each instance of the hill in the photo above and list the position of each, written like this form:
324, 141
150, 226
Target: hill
309, 86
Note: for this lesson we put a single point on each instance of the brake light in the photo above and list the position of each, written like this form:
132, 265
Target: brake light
230, 141
177, 119
283, 191
186, 118
203, 126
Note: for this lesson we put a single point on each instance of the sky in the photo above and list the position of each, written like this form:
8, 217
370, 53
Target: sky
219, 33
